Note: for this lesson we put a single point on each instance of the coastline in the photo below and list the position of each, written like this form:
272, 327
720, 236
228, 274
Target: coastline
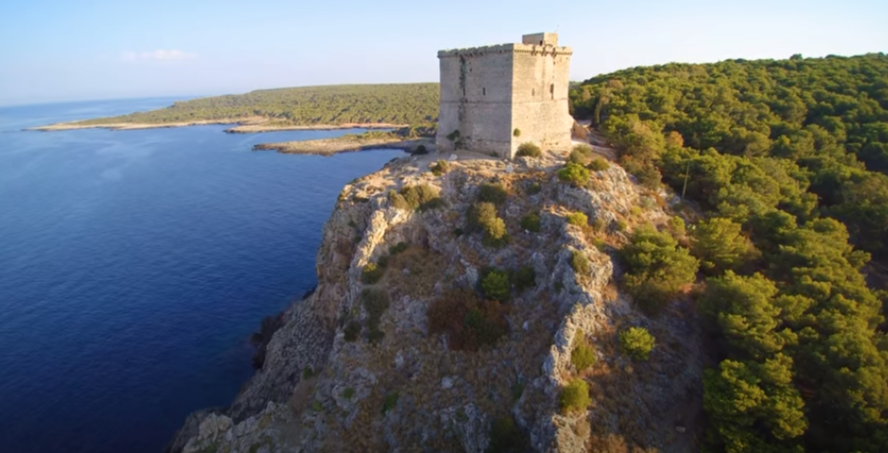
348, 143
242, 126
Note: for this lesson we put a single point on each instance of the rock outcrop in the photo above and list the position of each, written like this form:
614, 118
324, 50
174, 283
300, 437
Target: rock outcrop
340, 375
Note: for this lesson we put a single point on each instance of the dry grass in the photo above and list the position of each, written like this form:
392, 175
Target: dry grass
423, 268
612, 443
302, 396
468, 321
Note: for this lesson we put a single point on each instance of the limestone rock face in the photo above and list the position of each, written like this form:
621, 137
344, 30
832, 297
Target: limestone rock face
357, 366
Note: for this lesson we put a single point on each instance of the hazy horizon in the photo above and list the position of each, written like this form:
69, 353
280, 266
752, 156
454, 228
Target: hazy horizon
52, 51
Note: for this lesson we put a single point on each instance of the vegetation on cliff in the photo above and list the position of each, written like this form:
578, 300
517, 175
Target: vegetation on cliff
414, 104
788, 160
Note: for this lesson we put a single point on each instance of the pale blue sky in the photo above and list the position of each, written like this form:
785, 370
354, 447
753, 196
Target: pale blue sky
58, 50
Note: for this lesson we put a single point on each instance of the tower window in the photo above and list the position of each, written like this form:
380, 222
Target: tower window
533, 91
552, 90
483, 91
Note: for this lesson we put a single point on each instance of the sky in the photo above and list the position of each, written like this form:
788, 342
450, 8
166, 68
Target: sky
66, 50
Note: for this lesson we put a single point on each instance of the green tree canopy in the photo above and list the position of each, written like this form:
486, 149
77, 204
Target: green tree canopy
657, 267
720, 245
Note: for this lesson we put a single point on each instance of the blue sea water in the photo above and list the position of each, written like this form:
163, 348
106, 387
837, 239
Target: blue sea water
135, 264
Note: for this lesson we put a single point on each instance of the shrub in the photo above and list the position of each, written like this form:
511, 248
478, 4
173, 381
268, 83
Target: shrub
533, 188
371, 274
307, 373
531, 222
482, 216
348, 393
528, 150
479, 215
575, 396
516, 132
517, 390
376, 302
440, 167
600, 244
421, 197
578, 219
467, 321
434, 203
637, 343
574, 174
352, 330
492, 193
599, 224
495, 285
582, 356
580, 263
420, 150
486, 330
495, 234
417, 195
375, 336
391, 400
598, 164
398, 201
646, 171
677, 227
507, 437
524, 277
580, 155
398, 248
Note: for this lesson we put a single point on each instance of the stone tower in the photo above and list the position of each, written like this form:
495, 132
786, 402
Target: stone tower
495, 98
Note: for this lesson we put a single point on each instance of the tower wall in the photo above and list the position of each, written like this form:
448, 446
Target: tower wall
476, 99
489, 92
540, 108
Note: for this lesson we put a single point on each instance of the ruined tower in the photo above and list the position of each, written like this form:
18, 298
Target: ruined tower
494, 98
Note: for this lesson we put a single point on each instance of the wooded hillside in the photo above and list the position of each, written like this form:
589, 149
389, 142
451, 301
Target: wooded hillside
413, 104
788, 160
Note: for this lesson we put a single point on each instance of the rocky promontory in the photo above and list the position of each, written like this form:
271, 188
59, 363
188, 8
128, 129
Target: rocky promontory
452, 298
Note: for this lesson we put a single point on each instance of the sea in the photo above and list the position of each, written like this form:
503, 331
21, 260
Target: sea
134, 265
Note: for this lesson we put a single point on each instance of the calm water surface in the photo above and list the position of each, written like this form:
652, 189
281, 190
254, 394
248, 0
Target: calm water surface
135, 264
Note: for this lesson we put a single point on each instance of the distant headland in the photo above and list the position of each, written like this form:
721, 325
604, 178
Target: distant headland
242, 126
410, 109
379, 106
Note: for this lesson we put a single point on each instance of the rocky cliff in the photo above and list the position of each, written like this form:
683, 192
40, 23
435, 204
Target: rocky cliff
362, 364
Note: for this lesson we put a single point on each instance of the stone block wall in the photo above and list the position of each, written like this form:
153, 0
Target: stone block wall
476, 99
540, 107
488, 92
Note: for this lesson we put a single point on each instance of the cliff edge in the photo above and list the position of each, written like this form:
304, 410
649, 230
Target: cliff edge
448, 308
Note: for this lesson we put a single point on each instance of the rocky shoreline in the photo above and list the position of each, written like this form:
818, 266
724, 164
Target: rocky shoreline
348, 143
